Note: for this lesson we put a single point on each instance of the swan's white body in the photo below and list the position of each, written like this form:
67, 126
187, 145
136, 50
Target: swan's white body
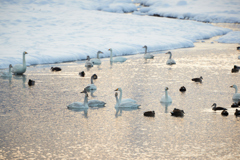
116, 59
7, 73
126, 104
88, 62
236, 95
170, 61
128, 100
96, 103
79, 105
147, 55
166, 98
97, 60
91, 86
20, 68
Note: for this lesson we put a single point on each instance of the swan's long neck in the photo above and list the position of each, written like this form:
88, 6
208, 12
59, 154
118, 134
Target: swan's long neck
170, 56
86, 100
110, 55
166, 94
24, 61
117, 100
92, 80
145, 50
120, 97
98, 55
9, 71
236, 89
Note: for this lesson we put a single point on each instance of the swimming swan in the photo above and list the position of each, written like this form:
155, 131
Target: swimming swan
91, 86
97, 60
88, 62
124, 100
147, 55
116, 59
170, 61
78, 105
20, 68
166, 98
236, 95
7, 73
128, 104
217, 108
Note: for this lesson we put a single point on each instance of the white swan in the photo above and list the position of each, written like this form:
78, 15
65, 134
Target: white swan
88, 63
236, 95
91, 86
97, 60
96, 103
166, 98
125, 104
170, 61
128, 100
147, 55
7, 73
20, 68
116, 59
80, 105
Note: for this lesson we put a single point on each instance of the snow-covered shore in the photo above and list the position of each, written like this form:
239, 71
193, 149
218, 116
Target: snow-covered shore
59, 31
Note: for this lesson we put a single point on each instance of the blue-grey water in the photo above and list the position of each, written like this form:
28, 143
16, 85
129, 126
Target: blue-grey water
36, 124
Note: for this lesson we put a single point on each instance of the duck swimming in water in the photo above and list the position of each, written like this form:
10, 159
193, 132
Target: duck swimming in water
198, 79
177, 112
215, 108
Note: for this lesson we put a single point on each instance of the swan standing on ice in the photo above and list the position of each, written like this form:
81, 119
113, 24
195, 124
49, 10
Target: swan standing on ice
80, 105
7, 73
116, 59
147, 55
236, 95
126, 104
88, 63
91, 86
170, 61
166, 98
97, 60
20, 68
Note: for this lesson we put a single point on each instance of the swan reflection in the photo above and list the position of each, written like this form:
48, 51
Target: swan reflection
84, 110
166, 104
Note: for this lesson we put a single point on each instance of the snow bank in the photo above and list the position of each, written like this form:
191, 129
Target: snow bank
60, 31
231, 37
222, 11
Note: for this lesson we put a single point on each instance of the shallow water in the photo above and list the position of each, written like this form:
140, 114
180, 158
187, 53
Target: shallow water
35, 122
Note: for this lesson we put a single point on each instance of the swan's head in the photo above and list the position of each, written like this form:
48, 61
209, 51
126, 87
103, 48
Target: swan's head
118, 89
85, 89
234, 86
110, 49
88, 58
24, 52
116, 94
94, 76
166, 88
10, 66
214, 105
144, 46
201, 77
99, 52
168, 52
